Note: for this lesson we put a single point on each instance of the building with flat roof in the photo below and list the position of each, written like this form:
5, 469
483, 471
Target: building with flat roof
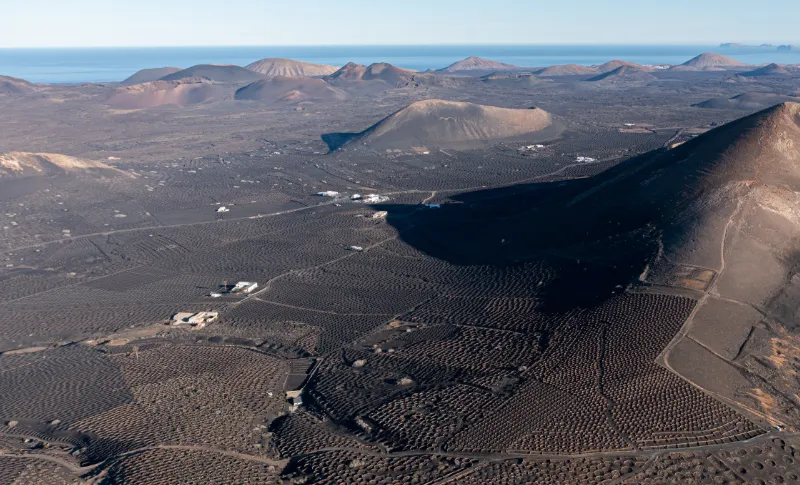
244, 287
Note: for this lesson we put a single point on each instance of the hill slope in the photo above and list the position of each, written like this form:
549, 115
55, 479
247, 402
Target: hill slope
354, 74
273, 66
714, 223
725, 208
712, 60
284, 89
477, 64
565, 70
21, 164
766, 71
223, 73
181, 92
15, 86
149, 75
448, 124
747, 101
624, 74
518, 80
615, 64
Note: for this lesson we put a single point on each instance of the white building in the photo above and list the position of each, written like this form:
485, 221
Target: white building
328, 193
244, 287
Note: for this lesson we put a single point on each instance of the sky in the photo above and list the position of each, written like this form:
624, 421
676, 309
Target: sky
112, 23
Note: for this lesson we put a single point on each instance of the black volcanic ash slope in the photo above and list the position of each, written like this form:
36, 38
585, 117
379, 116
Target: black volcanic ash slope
747, 101
149, 75
223, 73
560, 297
767, 71
717, 219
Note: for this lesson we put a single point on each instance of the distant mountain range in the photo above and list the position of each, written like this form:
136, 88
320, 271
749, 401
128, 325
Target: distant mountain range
736, 45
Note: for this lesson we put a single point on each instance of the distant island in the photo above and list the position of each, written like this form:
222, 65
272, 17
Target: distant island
736, 45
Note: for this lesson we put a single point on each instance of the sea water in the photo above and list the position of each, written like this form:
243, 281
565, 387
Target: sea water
77, 65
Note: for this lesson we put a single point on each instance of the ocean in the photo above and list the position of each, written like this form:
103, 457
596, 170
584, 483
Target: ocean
76, 65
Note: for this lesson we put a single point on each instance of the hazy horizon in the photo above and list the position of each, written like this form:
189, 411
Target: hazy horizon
109, 64
201, 23
753, 44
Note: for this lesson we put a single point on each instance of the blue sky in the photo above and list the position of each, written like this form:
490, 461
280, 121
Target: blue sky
70, 23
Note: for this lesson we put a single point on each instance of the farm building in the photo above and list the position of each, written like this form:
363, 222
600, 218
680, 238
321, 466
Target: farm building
195, 320
244, 287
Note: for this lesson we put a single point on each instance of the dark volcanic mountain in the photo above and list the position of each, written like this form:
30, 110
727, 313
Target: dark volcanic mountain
448, 124
517, 80
223, 73
149, 75
477, 64
715, 220
272, 67
290, 90
181, 92
768, 70
724, 210
710, 60
624, 74
747, 101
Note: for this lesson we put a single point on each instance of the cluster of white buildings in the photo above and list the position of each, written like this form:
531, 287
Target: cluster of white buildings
196, 320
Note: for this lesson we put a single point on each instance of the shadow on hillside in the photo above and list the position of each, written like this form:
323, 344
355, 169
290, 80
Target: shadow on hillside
338, 140
588, 253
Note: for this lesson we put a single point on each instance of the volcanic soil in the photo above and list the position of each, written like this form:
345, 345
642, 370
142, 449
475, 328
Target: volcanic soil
461, 277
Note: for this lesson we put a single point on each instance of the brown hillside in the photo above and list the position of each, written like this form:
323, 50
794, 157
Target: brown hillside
623, 74
290, 90
15, 86
20, 164
616, 64
565, 70
477, 64
288, 67
182, 92
379, 72
448, 124
712, 60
